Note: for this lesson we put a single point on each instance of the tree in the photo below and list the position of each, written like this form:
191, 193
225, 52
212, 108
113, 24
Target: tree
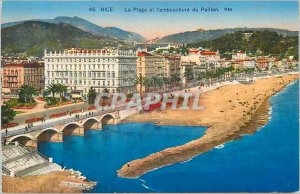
58, 88
53, 89
62, 89
147, 83
189, 74
7, 114
45, 93
159, 82
92, 95
140, 80
175, 78
26, 94
166, 81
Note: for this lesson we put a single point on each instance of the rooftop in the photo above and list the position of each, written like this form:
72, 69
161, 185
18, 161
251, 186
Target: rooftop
24, 65
143, 54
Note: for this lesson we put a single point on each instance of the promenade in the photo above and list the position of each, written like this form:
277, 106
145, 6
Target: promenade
41, 112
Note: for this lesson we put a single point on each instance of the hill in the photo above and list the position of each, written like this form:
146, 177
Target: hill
200, 35
33, 37
90, 27
262, 42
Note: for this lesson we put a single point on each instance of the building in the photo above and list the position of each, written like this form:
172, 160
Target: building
150, 65
211, 59
199, 61
193, 64
172, 65
82, 69
264, 63
17, 74
239, 55
241, 60
243, 63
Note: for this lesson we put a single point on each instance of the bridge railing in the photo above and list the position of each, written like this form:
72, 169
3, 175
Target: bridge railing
45, 125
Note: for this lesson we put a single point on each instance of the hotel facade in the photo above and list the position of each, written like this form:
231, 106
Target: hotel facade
82, 69
17, 74
150, 65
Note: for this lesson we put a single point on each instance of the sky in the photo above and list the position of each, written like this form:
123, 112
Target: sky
273, 14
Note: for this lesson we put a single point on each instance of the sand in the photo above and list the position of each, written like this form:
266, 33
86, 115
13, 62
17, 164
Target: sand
48, 183
230, 111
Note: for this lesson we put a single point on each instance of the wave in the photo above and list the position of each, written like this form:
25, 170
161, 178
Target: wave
145, 186
270, 113
220, 146
187, 160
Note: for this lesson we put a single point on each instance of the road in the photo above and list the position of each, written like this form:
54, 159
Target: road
21, 118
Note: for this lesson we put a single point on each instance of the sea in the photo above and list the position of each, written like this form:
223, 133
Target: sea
266, 161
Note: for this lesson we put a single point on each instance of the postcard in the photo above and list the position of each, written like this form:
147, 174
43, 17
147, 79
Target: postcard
149, 96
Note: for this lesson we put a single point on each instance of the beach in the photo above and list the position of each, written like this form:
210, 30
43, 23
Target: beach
55, 182
230, 111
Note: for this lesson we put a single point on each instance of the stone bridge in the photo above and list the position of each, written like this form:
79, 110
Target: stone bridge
54, 131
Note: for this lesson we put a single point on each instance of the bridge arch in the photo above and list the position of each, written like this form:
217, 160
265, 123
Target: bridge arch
107, 118
91, 119
92, 123
49, 134
24, 139
72, 128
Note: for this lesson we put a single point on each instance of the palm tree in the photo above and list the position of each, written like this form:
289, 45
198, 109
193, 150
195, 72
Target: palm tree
166, 81
26, 93
140, 81
62, 89
160, 83
157, 82
53, 89
200, 76
231, 70
175, 78
188, 74
147, 83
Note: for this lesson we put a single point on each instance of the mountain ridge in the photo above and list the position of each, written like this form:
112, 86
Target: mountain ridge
112, 32
198, 36
32, 37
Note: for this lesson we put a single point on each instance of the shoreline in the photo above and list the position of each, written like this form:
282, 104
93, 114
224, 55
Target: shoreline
218, 131
54, 182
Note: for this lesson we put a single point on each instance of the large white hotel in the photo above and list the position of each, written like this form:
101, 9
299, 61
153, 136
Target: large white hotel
81, 69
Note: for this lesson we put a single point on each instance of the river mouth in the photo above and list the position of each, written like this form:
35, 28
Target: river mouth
100, 153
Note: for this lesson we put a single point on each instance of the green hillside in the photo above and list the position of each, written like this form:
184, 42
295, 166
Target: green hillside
259, 43
204, 35
33, 37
